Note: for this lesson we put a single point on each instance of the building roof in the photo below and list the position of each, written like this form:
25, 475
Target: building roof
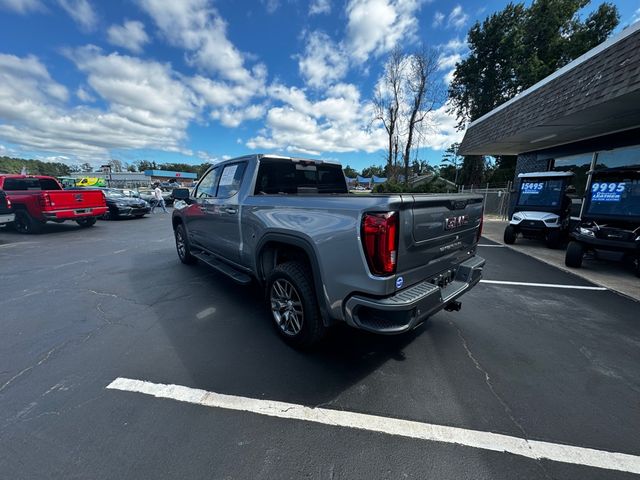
596, 94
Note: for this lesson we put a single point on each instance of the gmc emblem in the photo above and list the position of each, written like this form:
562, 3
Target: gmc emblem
78, 197
454, 222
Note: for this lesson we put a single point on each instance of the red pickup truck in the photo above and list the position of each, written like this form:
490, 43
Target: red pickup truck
40, 199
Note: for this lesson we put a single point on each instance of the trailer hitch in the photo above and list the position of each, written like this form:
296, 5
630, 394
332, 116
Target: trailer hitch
453, 306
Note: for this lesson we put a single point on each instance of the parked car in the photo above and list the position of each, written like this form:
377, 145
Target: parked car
382, 263
611, 218
6, 210
120, 205
40, 199
542, 210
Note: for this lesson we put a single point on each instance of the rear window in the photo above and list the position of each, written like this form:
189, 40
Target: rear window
287, 177
30, 184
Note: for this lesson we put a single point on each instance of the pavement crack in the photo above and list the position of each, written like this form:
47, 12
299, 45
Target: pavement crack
505, 406
487, 380
31, 367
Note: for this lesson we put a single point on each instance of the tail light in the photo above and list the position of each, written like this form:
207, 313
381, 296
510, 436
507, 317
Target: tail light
45, 200
8, 202
380, 242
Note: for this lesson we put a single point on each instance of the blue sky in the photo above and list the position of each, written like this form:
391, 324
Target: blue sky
202, 80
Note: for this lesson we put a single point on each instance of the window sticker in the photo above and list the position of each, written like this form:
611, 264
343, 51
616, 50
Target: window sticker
532, 188
607, 191
228, 175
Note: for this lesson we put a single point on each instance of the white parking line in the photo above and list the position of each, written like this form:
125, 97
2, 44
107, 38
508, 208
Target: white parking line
488, 245
392, 426
545, 285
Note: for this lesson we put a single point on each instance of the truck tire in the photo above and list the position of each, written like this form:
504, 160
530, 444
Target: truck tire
574, 254
86, 222
509, 235
25, 223
292, 301
182, 246
554, 238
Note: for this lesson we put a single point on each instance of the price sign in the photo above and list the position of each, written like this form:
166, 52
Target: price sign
532, 188
607, 191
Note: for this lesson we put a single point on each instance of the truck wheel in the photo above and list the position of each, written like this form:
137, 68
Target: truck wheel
25, 223
574, 254
183, 247
509, 235
554, 238
86, 222
294, 306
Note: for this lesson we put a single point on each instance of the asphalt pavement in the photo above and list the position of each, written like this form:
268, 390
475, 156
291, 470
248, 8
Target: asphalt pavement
556, 363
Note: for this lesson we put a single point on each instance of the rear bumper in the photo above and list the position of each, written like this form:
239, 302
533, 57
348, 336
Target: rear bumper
7, 217
408, 308
73, 214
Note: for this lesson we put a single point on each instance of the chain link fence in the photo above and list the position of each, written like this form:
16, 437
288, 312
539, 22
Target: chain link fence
497, 199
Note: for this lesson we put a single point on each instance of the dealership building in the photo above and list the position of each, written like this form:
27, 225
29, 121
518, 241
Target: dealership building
141, 179
585, 116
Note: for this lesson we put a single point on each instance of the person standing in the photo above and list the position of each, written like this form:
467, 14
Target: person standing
159, 200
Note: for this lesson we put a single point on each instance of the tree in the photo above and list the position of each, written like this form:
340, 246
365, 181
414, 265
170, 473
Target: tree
451, 157
386, 102
116, 165
473, 169
131, 168
86, 167
377, 170
350, 172
519, 46
424, 92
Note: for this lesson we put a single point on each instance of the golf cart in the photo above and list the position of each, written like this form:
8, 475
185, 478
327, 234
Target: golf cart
542, 209
611, 218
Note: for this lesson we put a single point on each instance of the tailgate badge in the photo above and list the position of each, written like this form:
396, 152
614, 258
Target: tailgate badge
454, 222
399, 282
78, 197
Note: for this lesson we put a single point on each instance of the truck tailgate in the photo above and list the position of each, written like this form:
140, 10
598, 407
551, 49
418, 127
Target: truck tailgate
437, 234
74, 199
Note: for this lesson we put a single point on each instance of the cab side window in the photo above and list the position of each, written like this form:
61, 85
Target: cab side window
208, 184
230, 180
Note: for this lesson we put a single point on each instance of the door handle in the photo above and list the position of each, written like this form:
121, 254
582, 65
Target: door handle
230, 210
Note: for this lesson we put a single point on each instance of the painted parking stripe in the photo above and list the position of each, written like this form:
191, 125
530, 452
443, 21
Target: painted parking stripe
544, 285
497, 245
392, 426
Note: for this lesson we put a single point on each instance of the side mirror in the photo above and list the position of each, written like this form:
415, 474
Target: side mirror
181, 194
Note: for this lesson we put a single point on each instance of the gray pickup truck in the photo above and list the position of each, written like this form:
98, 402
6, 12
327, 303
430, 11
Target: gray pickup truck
382, 263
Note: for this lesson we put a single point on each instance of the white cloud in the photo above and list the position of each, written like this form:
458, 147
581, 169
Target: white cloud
22, 6
271, 5
457, 17
438, 18
232, 118
129, 35
448, 61
376, 26
636, 16
81, 12
442, 132
337, 123
148, 107
84, 96
319, 7
323, 61
198, 28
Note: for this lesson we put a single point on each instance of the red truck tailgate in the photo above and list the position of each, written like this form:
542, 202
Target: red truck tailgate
74, 199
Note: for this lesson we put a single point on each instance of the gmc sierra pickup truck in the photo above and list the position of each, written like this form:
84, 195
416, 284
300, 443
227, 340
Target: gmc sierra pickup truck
382, 263
6, 212
40, 199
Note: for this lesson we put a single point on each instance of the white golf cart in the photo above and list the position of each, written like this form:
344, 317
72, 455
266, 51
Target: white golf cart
542, 209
